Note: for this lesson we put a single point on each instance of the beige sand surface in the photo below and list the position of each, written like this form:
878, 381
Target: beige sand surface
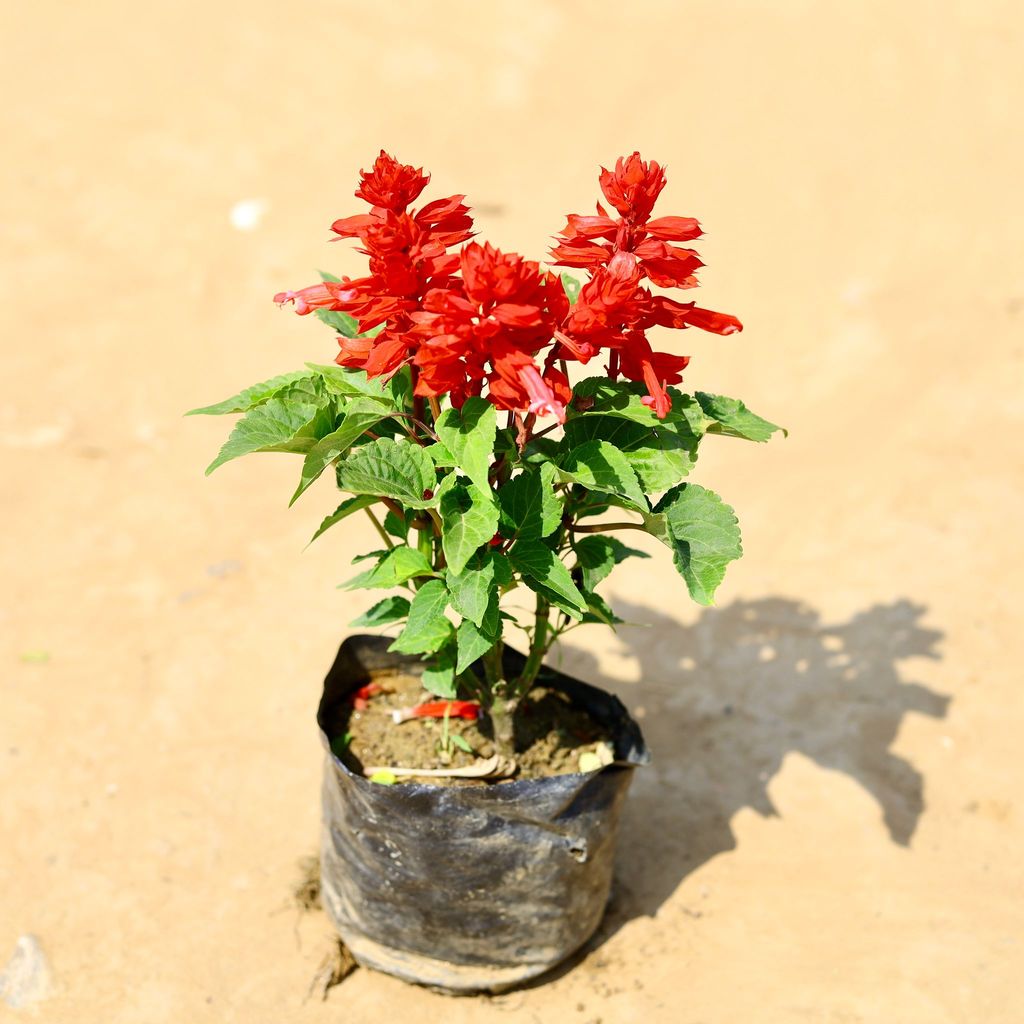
832, 829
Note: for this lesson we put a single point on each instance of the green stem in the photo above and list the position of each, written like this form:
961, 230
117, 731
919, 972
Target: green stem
601, 527
380, 529
538, 648
496, 702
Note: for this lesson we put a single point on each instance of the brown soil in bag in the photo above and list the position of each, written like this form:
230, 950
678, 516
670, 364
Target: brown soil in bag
551, 734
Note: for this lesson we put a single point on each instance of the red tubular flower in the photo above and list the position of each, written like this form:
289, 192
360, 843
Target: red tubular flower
487, 328
467, 709
634, 186
390, 184
614, 310
476, 322
408, 257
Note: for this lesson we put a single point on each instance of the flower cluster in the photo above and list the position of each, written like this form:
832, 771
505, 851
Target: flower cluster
615, 311
481, 318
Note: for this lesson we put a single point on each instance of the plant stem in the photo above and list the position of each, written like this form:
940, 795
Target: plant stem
601, 527
380, 529
494, 698
537, 649
435, 408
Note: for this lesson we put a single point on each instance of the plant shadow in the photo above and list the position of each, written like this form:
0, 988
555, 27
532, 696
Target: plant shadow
724, 700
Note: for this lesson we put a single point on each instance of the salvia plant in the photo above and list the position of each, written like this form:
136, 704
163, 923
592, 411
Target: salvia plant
449, 419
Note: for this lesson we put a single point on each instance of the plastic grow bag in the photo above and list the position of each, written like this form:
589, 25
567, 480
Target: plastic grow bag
468, 888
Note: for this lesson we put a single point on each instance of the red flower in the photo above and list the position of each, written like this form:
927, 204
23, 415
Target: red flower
390, 184
614, 310
477, 321
489, 329
634, 187
408, 257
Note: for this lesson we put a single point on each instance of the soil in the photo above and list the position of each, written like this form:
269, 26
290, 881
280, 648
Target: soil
551, 734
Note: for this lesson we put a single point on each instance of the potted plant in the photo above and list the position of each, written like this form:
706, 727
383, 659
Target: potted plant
471, 793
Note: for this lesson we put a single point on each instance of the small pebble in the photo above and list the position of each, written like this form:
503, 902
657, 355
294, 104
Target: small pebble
27, 978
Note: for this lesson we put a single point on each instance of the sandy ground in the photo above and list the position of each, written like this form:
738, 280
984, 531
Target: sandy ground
831, 831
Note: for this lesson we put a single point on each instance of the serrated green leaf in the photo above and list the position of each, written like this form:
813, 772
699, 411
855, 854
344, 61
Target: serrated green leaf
359, 416
427, 628
275, 426
251, 396
625, 398
703, 534
597, 555
469, 519
502, 568
661, 456
343, 511
391, 609
600, 466
439, 674
341, 380
471, 643
598, 610
540, 567
440, 455
468, 433
395, 568
390, 468
471, 590
530, 509
732, 417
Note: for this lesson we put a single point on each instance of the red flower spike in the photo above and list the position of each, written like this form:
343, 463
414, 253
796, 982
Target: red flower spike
615, 310
391, 185
634, 186
483, 322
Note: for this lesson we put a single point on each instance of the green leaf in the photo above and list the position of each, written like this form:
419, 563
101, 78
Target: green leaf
660, 456
539, 565
600, 466
471, 590
275, 426
341, 380
442, 458
427, 629
625, 398
469, 519
703, 534
572, 286
597, 555
530, 509
461, 742
359, 416
598, 610
338, 321
396, 525
384, 777
439, 674
345, 509
392, 469
471, 643
250, 397
732, 417
395, 568
468, 433
391, 609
